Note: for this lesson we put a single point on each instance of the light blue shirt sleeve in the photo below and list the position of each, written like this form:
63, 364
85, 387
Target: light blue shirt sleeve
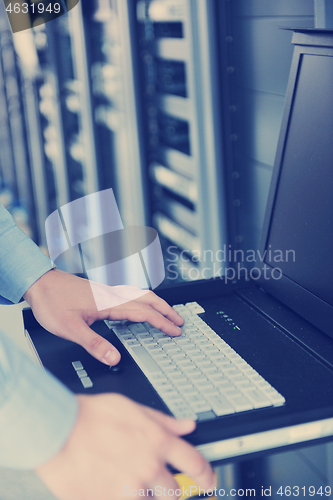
21, 261
37, 413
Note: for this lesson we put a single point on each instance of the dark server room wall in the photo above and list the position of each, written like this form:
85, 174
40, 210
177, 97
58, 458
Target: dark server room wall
256, 57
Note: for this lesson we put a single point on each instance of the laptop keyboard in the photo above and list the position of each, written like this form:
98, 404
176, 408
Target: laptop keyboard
197, 375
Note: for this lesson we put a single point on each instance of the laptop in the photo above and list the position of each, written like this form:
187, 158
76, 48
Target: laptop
275, 322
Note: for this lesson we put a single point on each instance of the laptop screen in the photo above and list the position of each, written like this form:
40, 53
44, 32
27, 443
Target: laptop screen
303, 211
298, 233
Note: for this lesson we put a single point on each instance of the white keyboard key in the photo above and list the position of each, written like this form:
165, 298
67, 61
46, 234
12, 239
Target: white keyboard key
137, 328
200, 407
170, 369
240, 403
189, 348
217, 355
192, 353
166, 341
171, 347
258, 399
220, 360
119, 328
231, 372
128, 336
212, 392
153, 348
232, 392
202, 384
277, 400
201, 342
145, 359
179, 357
190, 390
171, 404
131, 343
174, 351
220, 405
200, 360
246, 385
205, 365
195, 397
77, 365
144, 336
122, 333
148, 326
212, 371
179, 406
195, 306
163, 385
86, 382
158, 376
159, 336
166, 363
188, 413
183, 341
177, 375
147, 341
195, 375
170, 394
155, 330
159, 356
210, 349
274, 396
237, 379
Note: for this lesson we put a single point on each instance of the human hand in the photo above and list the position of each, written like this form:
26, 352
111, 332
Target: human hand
118, 446
64, 305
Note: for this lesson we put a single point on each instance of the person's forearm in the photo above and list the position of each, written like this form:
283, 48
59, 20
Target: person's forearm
21, 261
37, 413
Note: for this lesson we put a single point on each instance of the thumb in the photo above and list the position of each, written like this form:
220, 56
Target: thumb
97, 346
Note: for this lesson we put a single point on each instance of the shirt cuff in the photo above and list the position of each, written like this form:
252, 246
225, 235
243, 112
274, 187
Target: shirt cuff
37, 413
21, 264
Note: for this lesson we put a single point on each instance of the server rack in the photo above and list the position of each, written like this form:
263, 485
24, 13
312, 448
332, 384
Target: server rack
184, 154
103, 55
6, 153
109, 124
70, 123
81, 112
15, 175
44, 122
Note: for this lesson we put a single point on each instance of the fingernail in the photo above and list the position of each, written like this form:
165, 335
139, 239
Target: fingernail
110, 357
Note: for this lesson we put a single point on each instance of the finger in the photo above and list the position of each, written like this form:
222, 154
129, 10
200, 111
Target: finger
140, 312
93, 343
171, 424
164, 486
184, 457
162, 307
136, 305
158, 320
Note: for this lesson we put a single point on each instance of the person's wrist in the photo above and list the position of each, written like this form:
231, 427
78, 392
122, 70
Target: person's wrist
37, 287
